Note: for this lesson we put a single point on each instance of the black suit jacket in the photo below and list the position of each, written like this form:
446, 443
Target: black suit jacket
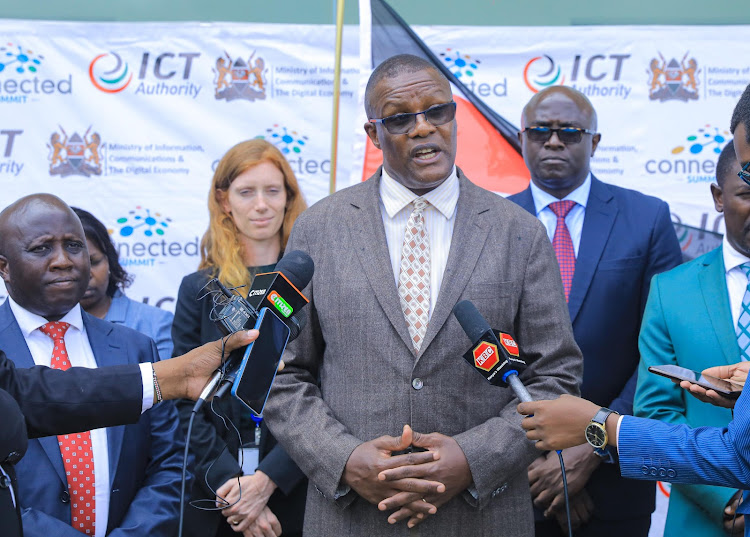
627, 237
40, 401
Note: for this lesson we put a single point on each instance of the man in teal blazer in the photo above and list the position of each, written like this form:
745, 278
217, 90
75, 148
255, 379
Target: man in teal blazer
688, 319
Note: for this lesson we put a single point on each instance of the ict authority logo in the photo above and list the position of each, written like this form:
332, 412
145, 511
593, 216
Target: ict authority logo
74, 154
109, 73
239, 78
673, 80
542, 72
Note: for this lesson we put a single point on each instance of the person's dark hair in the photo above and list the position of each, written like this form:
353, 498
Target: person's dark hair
742, 113
97, 233
393, 66
726, 164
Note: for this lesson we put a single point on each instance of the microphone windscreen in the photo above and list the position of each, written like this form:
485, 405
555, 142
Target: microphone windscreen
298, 267
471, 320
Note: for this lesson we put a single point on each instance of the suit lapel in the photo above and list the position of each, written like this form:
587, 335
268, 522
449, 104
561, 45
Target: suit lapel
14, 345
525, 200
107, 351
713, 284
469, 235
368, 238
601, 211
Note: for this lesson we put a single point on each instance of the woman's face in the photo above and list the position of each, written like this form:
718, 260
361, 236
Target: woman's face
256, 200
97, 289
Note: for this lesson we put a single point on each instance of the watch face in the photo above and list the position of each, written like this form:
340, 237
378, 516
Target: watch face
596, 435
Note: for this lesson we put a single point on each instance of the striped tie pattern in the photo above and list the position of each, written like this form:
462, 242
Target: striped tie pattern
76, 450
414, 275
563, 244
743, 322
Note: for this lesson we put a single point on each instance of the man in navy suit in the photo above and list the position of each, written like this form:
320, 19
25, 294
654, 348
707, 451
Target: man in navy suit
609, 242
654, 450
136, 468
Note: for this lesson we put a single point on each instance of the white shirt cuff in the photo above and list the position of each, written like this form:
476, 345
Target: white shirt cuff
617, 434
147, 377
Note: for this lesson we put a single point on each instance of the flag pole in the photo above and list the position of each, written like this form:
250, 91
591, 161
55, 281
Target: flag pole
336, 95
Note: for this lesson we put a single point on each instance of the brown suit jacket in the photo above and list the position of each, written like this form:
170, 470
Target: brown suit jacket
349, 375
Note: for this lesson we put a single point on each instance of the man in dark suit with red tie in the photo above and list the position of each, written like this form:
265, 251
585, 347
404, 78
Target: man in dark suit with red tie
609, 242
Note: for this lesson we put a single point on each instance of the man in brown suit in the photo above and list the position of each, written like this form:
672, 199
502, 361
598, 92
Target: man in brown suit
382, 350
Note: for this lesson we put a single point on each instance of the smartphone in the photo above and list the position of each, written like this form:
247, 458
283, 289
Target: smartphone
261, 361
721, 386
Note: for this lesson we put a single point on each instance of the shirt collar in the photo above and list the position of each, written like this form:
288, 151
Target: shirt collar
732, 258
28, 322
396, 196
542, 199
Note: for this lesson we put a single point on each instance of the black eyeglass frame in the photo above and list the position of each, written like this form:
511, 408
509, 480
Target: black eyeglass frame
550, 131
385, 120
744, 173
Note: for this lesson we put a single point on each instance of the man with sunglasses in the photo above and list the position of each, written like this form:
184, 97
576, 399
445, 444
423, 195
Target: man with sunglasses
655, 450
609, 242
376, 405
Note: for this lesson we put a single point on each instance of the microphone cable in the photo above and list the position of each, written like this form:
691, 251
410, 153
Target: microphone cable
565, 491
185, 457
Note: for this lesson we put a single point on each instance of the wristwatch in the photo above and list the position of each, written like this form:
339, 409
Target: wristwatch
596, 432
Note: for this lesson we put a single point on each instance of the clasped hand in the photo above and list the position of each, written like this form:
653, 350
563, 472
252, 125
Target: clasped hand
414, 484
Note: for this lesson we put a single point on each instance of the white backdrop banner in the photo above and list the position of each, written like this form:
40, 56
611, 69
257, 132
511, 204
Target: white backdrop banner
128, 120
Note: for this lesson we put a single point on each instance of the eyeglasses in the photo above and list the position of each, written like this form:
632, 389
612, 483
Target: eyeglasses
403, 123
567, 135
744, 174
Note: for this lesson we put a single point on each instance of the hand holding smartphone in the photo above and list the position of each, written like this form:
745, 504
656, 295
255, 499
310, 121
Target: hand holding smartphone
730, 390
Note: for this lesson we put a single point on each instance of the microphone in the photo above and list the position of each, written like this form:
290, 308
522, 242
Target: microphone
494, 354
280, 292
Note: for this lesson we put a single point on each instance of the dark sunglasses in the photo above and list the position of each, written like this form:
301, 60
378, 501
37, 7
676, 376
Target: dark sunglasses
403, 123
567, 135
744, 174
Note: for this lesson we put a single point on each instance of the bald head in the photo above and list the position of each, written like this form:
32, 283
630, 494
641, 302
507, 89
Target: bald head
16, 211
581, 101
559, 166
43, 257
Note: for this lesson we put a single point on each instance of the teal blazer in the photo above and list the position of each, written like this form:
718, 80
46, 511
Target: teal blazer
687, 322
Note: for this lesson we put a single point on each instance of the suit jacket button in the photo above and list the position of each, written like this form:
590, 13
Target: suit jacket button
653, 471
662, 472
671, 473
65, 497
417, 383
644, 469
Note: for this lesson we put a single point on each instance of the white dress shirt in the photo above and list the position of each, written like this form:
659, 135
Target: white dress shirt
574, 220
736, 278
439, 217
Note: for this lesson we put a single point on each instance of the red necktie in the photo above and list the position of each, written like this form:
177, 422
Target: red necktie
76, 449
563, 244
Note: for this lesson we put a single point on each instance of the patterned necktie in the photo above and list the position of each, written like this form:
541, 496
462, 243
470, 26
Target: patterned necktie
563, 244
414, 275
76, 450
743, 322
